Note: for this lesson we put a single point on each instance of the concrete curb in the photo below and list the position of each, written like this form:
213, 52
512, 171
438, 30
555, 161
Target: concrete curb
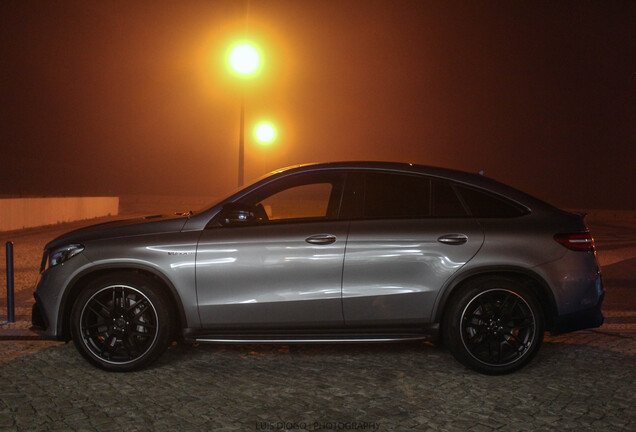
19, 330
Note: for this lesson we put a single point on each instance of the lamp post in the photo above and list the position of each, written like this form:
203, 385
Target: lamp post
245, 61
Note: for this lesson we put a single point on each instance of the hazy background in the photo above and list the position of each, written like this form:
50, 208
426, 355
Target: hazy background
134, 97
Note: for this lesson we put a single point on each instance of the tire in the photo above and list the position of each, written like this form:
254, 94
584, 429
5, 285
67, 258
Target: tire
494, 326
120, 322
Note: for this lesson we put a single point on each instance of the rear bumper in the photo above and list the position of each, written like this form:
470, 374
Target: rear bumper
585, 319
577, 290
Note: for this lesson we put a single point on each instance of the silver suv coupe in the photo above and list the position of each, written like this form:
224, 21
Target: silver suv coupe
355, 251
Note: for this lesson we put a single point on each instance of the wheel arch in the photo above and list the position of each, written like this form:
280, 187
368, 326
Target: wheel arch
83, 279
526, 277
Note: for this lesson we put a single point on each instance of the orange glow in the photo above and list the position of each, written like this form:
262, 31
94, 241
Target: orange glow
268, 91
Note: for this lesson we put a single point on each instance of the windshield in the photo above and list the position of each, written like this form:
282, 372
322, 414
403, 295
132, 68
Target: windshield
235, 191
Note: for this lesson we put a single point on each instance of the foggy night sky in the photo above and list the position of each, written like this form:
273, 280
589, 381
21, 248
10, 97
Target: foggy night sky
127, 97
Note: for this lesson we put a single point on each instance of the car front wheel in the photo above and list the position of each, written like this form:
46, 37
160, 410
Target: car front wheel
494, 326
120, 322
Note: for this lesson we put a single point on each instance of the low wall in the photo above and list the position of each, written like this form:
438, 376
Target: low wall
18, 213
137, 205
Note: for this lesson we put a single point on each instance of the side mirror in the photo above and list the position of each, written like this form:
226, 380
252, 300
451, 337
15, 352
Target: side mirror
236, 214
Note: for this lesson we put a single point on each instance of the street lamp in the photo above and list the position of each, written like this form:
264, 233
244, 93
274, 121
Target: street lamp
245, 61
265, 133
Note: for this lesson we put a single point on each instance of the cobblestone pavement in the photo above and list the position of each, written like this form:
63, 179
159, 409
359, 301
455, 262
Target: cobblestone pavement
583, 381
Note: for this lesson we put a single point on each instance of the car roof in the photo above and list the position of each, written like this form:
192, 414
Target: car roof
386, 166
463, 177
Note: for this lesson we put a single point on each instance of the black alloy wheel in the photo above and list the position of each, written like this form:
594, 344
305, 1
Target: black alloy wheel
495, 327
120, 326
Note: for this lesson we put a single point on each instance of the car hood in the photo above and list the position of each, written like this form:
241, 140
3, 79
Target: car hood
121, 228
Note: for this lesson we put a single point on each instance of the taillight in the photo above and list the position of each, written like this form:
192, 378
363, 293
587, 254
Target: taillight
576, 241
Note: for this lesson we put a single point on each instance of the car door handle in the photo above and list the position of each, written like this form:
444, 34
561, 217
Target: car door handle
321, 239
453, 239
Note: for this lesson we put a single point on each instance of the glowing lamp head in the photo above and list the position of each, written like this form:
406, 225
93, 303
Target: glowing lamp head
244, 59
265, 133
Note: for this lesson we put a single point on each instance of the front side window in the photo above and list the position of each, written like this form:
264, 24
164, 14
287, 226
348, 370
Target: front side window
302, 197
299, 202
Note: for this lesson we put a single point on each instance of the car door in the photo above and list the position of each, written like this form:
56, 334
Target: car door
411, 235
286, 269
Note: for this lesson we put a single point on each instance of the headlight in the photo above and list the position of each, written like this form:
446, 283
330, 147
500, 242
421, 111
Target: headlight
58, 256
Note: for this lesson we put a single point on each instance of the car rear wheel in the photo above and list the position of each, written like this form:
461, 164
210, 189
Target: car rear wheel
494, 326
121, 322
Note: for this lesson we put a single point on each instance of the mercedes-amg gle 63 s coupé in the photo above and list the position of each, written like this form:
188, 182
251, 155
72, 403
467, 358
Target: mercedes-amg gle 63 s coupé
336, 252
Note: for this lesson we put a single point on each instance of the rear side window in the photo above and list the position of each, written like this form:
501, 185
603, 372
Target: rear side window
396, 196
445, 202
403, 196
483, 204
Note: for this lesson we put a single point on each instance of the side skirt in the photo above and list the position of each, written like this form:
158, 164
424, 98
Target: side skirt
311, 335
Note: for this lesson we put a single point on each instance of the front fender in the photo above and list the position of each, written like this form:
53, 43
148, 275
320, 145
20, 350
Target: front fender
188, 316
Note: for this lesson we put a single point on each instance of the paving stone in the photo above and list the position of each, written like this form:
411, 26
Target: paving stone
581, 382
6, 419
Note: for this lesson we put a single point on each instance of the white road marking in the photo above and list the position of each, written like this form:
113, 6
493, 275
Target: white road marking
607, 258
619, 313
619, 327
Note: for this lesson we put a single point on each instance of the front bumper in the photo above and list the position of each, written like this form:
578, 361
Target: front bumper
48, 310
38, 317
39, 320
